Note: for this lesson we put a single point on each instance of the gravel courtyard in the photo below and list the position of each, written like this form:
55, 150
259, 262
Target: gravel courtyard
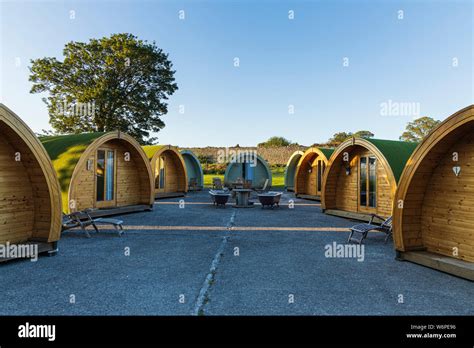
195, 259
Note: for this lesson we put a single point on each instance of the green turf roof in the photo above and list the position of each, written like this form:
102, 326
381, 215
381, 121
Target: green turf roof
150, 150
326, 151
396, 152
65, 151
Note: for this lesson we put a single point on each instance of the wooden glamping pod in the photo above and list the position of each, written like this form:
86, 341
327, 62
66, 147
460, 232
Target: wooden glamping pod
362, 175
290, 170
310, 172
193, 170
169, 169
106, 172
30, 197
433, 218
249, 167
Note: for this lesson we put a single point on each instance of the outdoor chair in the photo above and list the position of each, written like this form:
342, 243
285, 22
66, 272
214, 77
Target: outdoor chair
193, 184
83, 219
217, 183
362, 230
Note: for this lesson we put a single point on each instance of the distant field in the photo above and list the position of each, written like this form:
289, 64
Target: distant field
278, 178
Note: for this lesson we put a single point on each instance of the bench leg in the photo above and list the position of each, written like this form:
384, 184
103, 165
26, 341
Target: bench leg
350, 236
85, 231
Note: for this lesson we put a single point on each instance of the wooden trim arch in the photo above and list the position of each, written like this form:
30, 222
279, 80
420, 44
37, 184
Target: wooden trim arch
255, 184
195, 166
75, 159
301, 173
30, 200
290, 170
341, 196
433, 214
179, 185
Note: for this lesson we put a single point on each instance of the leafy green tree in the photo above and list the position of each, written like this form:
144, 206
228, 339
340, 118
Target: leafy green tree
364, 134
339, 137
113, 83
275, 142
418, 129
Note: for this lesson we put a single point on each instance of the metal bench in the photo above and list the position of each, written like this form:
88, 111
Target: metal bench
83, 219
362, 230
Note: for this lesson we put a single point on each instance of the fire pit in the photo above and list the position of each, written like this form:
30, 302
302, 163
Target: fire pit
219, 197
269, 199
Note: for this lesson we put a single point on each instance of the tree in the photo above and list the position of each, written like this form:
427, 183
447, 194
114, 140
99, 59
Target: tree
113, 83
339, 137
364, 134
418, 129
275, 142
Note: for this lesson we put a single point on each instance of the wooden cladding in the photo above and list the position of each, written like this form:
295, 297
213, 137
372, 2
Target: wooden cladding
358, 180
434, 208
169, 171
310, 172
121, 175
30, 200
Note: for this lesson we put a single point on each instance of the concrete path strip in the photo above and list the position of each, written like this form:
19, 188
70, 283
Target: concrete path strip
203, 293
233, 228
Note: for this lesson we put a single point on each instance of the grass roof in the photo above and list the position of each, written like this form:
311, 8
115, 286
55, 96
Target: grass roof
326, 151
396, 152
65, 151
150, 150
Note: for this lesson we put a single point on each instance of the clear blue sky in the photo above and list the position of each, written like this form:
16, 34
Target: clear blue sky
282, 62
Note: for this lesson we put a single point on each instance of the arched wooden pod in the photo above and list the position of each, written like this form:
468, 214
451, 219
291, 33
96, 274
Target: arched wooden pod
434, 204
382, 162
248, 166
309, 172
193, 168
30, 199
169, 171
290, 170
107, 172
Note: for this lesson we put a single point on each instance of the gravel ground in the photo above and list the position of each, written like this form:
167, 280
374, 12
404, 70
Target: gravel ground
267, 271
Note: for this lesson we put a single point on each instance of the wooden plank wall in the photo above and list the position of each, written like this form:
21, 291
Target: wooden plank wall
307, 181
447, 218
131, 184
25, 208
175, 178
342, 191
419, 185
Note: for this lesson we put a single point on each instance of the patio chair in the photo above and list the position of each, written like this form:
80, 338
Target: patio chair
217, 183
193, 184
73, 220
362, 230
83, 219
